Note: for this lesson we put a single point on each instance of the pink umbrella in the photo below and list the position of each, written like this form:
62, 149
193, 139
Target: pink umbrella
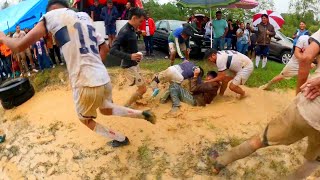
244, 4
274, 18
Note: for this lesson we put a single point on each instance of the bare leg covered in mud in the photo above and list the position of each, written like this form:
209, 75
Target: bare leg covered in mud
276, 79
238, 90
243, 150
224, 85
137, 95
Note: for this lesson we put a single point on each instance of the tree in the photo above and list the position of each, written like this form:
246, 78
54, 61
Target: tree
5, 5
264, 5
302, 7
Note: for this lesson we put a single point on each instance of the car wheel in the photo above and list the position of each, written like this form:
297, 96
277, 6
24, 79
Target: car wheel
17, 101
14, 88
285, 57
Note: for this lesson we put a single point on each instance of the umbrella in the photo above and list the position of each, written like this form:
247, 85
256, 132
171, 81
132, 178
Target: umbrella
274, 18
244, 4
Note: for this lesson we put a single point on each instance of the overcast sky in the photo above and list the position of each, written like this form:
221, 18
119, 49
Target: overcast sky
282, 6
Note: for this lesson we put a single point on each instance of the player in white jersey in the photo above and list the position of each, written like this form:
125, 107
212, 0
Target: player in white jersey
292, 67
233, 66
83, 50
299, 120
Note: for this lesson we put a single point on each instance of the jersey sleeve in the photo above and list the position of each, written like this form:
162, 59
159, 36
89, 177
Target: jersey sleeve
50, 21
302, 42
316, 37
100, 39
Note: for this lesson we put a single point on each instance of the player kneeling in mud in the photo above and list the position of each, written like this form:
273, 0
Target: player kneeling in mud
200, 93
232, 62
83, 50
173, 74
299, 120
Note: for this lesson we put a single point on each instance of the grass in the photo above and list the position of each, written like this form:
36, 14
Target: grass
49, 77
58, 76
258, 77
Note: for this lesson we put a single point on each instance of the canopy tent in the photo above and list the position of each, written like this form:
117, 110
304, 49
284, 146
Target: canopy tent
246, 4
86, 3
25, 14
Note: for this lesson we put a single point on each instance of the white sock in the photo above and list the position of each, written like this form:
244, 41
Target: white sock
123, 111
108, 133
264, 62
257, 61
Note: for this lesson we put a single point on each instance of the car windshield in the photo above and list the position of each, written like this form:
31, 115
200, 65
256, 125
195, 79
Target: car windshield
283, 37
175, 24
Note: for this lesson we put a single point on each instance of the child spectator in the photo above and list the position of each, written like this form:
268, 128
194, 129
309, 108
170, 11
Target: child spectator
41, 53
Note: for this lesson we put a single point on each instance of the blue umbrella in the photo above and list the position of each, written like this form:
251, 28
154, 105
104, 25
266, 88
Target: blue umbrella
206, 4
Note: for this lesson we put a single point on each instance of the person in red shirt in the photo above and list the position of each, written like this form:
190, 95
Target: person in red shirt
147, 29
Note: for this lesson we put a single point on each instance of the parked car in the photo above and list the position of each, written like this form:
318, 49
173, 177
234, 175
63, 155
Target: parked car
198, 43
280, 48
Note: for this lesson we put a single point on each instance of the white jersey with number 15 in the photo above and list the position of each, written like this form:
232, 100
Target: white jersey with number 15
75, 34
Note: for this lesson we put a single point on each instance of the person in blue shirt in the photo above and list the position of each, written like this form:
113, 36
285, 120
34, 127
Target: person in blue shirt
110, 15
41, 54
220, 30
179, 41
299, 32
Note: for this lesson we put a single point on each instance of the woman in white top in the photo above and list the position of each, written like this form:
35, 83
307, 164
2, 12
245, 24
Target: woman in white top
243, 39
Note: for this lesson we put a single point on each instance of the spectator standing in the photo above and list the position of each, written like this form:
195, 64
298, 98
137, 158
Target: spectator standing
22, 55
110, 15
126, 48
95, 11
253, 42
243, 39
299, 32
41, 53
6, 60
230, 34
208, 29
148, 28
178, 42
264, 32
236, 26
220, 29
54, 50
125, 13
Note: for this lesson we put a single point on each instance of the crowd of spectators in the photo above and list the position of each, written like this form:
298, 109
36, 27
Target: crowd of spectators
40, 56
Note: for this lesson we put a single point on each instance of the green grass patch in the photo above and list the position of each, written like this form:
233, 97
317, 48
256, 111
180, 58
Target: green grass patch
258, 77
49, 77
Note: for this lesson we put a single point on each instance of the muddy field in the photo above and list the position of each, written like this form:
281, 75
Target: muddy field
46, 141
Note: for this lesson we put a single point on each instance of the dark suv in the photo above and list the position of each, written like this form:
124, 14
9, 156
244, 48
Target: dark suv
198, 43
280, 48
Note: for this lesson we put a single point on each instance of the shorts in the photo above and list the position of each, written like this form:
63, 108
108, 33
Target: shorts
173, 48
111, 30
134, 76
89, 99
291, 127
290, 70
262, 50
252, 47
242, 76
171, 74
